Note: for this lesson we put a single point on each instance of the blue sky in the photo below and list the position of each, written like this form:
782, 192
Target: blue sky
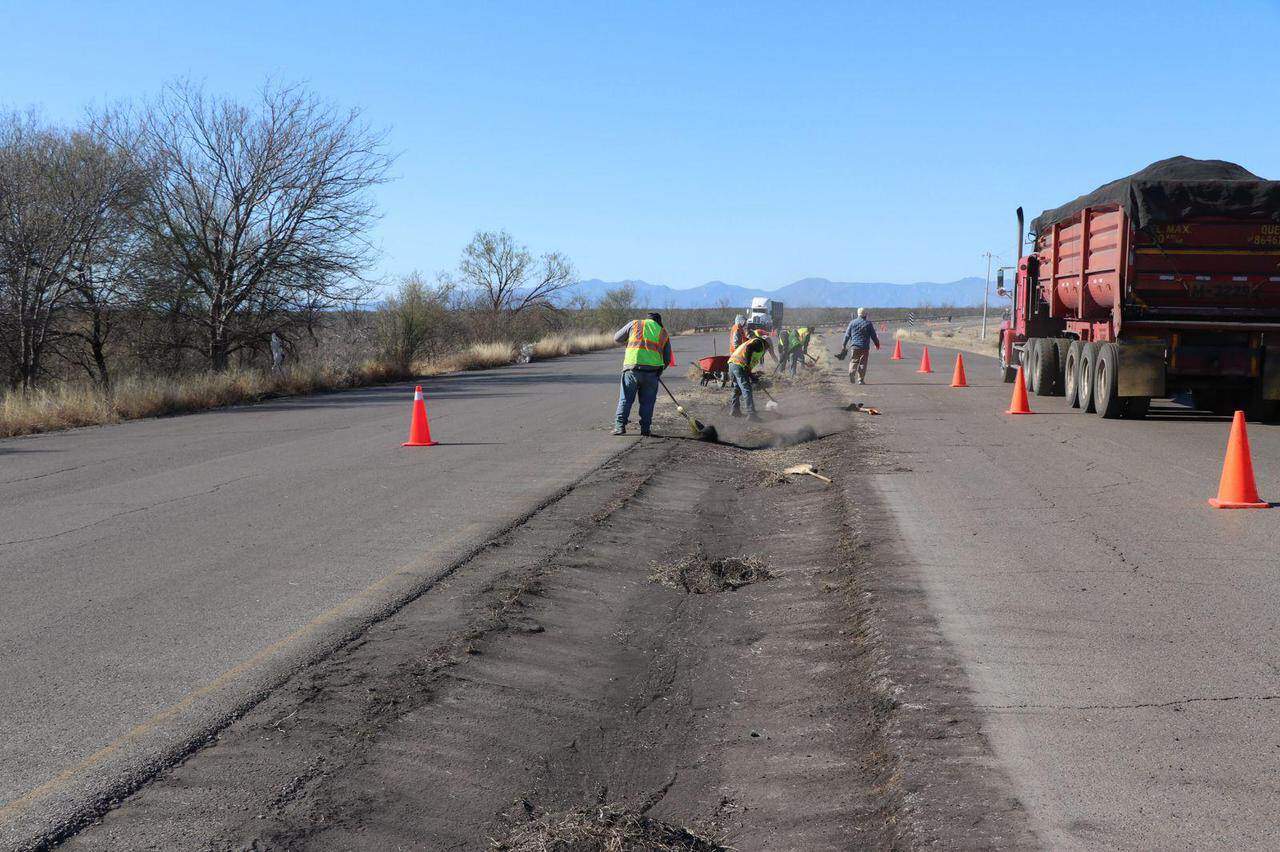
755, 143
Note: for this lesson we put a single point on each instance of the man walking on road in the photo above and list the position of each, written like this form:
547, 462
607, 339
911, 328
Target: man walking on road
742, 362
858, 338
648, 354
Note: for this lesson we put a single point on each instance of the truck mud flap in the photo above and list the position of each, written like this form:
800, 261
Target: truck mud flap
1141, 370
1271, 373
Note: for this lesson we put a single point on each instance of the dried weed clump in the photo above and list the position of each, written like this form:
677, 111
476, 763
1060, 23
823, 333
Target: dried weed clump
604, 828
698, 575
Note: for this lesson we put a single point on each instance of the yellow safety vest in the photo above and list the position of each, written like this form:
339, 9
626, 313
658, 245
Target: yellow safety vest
646, 345
744, 358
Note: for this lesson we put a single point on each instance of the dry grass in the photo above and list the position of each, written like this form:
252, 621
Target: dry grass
557, 345
477, 356
605, 828
963, 334
70, 405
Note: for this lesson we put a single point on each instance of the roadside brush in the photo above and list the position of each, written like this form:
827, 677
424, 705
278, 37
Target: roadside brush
701, 430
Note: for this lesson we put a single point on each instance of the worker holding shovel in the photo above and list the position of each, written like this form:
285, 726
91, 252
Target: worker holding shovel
799, 346
745, 359
648, 354
784, 349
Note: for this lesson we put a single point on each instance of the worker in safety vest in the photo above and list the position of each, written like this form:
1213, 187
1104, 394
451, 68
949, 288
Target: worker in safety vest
744, 360
800, 338
648, 354
784, 349
737, 334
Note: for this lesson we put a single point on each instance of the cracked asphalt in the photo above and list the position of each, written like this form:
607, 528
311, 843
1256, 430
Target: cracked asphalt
1119, 636
161, 576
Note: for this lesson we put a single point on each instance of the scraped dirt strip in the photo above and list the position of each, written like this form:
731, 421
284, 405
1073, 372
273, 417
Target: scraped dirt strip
551, 675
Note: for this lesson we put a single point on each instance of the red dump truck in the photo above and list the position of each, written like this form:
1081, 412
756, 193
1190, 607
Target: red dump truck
1162, 283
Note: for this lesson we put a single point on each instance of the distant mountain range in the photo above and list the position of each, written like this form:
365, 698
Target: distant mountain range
805, 293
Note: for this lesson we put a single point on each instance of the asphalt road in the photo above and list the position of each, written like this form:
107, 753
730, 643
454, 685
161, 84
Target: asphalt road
161, 575
1120, 635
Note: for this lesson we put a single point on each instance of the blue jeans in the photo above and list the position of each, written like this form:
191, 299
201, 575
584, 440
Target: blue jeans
637, 382
741, 388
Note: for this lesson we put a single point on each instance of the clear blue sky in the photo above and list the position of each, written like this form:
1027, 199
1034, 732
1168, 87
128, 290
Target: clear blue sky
752, 142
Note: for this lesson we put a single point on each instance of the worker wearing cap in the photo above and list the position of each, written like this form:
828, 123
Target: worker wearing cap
800, 338
742, 362
648, 354
858, 338
738, 334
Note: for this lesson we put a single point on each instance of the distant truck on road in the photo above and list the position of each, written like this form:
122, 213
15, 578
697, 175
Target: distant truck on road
765, 313
1164, 282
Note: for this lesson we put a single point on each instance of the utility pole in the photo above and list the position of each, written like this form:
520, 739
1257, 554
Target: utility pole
985, 287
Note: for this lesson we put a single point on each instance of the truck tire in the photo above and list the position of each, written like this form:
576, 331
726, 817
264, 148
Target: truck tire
1062, 344
1106, 399
1029, 363
1071, 373
1136, 407
1008, 372
1088, 361
1046, 367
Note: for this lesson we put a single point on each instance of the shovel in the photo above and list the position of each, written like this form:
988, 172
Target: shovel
772, 401
806, 470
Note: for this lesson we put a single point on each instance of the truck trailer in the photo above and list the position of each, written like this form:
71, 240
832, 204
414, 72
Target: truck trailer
1162, 283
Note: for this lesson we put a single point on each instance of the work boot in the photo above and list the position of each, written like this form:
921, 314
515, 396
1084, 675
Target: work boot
619, 430
644, 433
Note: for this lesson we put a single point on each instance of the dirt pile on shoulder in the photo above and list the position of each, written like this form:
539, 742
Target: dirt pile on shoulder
699, 575
605, 828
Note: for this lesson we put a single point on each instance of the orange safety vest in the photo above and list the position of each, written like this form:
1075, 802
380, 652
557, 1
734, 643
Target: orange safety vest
736, 337
744, 358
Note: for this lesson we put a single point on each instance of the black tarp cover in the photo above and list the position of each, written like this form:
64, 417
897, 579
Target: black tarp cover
1179, 188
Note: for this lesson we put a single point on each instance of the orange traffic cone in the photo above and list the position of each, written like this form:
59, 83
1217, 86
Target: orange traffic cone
897, 350
957, 378
419, 428
1236, 489
925, 366
1018, 405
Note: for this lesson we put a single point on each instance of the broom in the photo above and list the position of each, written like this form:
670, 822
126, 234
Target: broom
696, 426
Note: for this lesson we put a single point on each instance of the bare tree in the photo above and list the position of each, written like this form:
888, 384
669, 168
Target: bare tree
617, 305
51, 205
507, 277
413, 320
262, 210
106, 273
